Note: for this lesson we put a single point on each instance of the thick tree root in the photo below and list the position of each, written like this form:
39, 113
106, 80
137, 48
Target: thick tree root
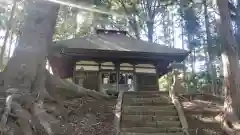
44, 119
6, 114
230, 123
57, 84
31, 113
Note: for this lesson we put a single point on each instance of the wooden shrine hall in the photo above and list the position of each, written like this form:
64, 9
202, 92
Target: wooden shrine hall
110, 60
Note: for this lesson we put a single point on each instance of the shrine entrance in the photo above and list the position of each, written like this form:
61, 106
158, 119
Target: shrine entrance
109, 77
108, 81
116, 77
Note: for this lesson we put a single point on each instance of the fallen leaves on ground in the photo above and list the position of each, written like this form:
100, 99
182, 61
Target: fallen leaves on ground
200, 114
89, 116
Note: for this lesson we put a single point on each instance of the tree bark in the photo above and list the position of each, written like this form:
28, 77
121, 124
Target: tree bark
30, 55
134, 24
150, 24
230, 62
193, 60
25, 79
10, 45
192, 55
210, 68
25, 75
9, 25
238, 24
184, 62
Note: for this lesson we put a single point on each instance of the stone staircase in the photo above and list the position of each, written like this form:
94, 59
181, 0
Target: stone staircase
149, 113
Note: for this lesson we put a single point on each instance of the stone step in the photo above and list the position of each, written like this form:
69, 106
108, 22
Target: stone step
145, 96
146, 104
168, 108
149, 118
155, 113
148, 88
156, 124
143, 92
146, 101
133, 133
151, 129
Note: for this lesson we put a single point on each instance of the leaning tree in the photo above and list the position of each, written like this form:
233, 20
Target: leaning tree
230, 68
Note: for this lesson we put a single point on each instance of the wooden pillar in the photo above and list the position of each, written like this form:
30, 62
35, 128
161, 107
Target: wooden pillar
99, 77
157, 74
117, 67
134, 77
74, 74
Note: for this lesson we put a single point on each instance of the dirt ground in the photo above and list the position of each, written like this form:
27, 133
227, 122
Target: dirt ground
89, 116
86, 116
201, 112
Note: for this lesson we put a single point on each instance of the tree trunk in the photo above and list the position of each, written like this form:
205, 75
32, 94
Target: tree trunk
10, 45
134, 24
173, 31
150, 24
230, 62
25, 79
238, 24
210, 68
25, 75
166, 27
193, 61
184, 62
9, 25
192, 55
30, 55
132, 20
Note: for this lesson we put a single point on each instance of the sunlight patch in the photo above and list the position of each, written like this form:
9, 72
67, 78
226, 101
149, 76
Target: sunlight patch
49, 68
207, 119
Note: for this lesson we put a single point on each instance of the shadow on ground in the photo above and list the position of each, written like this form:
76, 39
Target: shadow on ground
200, 113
